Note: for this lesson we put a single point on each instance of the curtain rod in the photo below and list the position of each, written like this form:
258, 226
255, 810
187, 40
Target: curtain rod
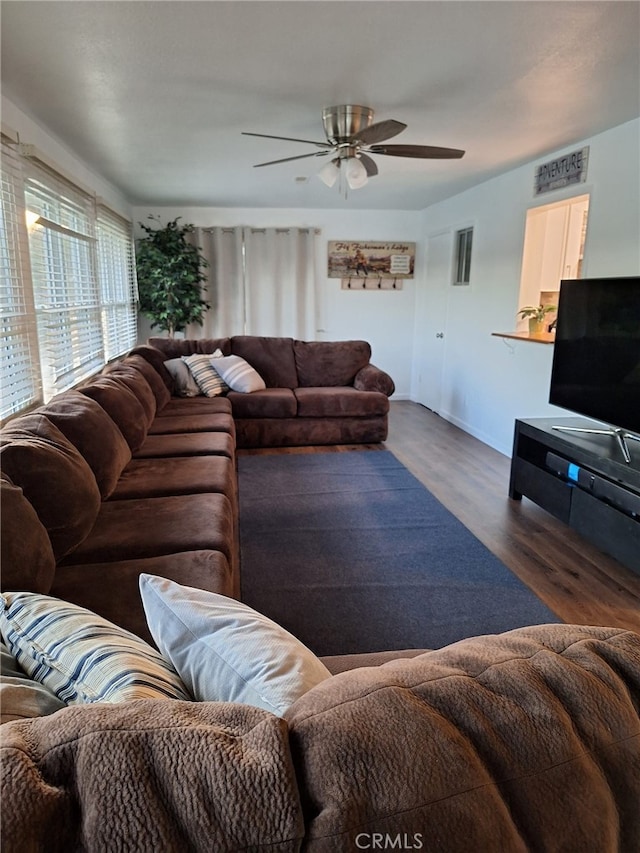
226, 229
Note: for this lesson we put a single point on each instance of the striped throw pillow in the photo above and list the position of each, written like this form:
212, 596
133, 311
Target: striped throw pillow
80, 656
207, 378
238, 374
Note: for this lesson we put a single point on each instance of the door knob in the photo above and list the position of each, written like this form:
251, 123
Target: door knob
439, 334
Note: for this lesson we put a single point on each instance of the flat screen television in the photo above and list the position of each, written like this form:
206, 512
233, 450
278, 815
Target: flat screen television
596, 357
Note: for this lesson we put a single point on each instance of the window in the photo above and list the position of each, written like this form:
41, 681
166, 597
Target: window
464, 239
65, 285
19, 369
69, 299
116, 273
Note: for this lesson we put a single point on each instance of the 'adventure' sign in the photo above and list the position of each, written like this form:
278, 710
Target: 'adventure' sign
570, 169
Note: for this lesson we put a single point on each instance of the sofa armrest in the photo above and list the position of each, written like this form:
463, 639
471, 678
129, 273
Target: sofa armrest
371, 378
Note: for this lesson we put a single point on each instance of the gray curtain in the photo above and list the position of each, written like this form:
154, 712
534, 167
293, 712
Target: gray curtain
261, 281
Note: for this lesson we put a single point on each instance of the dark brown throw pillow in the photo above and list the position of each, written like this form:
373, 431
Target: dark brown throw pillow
329, 363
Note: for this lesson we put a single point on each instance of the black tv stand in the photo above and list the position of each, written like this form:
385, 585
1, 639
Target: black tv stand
620, 435
568, 468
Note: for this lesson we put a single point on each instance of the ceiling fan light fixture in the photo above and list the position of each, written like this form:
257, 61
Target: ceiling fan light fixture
351, 137
329, 173
355, 173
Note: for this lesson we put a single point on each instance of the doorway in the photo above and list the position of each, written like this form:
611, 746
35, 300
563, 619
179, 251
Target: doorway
430, 334
554, 241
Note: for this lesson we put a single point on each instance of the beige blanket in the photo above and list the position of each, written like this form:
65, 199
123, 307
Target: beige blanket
527, 741
150, 775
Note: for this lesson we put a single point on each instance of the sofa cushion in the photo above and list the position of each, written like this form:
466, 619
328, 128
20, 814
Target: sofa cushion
26, 555
344, 663
323, 363
196, 406
160, 390
122, 406
89, 428
270, 403
149, 527
225, 651
177, 347
193, 423
184, 383
271, 357
207, 378
135, 382
81, 657
156, 359
149, 478
187, 444
112, 590
339, 402
54, 477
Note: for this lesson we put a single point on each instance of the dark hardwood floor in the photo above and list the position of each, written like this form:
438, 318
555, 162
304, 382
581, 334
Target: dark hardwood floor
578, 582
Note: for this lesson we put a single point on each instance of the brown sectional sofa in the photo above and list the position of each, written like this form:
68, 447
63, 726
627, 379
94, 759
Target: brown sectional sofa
318, 392
524, 741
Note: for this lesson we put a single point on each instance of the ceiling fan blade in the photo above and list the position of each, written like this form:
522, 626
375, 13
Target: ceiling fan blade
379, 131
286, 159
369, 165
427, 152
288, 139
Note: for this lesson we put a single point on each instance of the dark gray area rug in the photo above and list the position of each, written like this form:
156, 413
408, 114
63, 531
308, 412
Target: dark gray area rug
351, 553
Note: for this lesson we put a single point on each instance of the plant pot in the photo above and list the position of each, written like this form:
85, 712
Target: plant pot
535, 326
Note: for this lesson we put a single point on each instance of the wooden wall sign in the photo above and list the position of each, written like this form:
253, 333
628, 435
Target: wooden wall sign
369, 265
570, 169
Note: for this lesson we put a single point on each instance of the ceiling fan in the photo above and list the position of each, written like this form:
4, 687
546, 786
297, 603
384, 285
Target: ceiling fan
351, 138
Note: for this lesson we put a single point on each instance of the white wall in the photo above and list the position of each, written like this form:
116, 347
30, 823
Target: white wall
384, 318
491, 381
60, 156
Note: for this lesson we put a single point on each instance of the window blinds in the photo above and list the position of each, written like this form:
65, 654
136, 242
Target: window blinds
116, 273
62, 247
20, 384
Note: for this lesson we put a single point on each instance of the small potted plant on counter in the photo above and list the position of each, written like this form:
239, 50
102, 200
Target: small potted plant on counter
536, 315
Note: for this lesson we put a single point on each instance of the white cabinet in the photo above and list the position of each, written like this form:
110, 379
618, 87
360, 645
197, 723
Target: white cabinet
553, 249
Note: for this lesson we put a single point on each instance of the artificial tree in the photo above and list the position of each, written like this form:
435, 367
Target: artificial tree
170, 276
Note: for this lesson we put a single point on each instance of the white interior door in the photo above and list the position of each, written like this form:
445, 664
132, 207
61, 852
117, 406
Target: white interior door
431, 326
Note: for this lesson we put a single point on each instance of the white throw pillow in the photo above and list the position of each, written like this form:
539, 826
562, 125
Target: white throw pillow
238, 374
80, 656
225, 651
206, 376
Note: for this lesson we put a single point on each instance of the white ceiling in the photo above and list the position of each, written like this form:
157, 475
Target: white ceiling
154, 94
